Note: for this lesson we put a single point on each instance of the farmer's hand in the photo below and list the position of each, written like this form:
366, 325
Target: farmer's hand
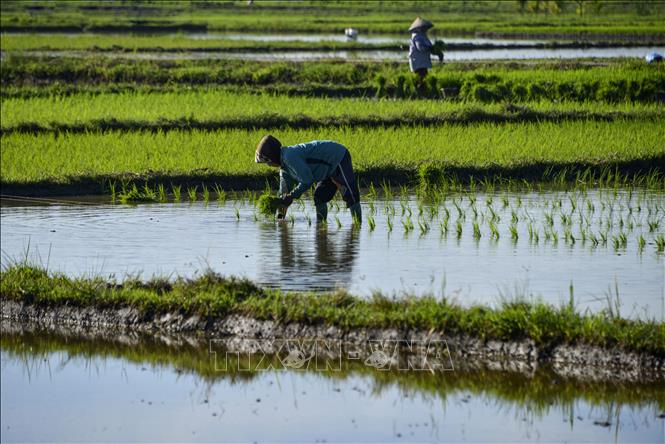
287, 200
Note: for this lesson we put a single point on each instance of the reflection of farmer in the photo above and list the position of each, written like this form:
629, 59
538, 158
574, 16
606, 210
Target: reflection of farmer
421, 48
328, 265
325, 162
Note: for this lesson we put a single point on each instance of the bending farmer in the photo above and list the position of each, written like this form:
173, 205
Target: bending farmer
325, 162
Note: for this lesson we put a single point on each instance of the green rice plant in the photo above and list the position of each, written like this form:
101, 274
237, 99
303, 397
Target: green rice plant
371, 223
112, 190
134, 195
237, 213
389, 223
549, 219
371, 192
458, 228
192, 193
386, 189
513, 232
268, 204
424, 226
555, 238
206, 193
660, 243
494, 230
602, 235
531, 231
476, 231
408, 225
161, 193
443, 228
338, 222
221, 194
176, 191
641, 243
653, 225
513, 217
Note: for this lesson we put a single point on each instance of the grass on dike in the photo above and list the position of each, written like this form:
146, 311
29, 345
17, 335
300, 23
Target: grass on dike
61, 157
211, 295
142, 109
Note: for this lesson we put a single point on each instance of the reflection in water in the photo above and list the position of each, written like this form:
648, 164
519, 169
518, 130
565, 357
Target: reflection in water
322, 263
150, 388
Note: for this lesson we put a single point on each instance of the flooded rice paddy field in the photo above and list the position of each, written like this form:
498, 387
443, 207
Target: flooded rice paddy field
143, 390
606, 246
364, 55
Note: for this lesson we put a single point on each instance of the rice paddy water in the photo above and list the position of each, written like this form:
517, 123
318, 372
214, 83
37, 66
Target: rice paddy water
605, 247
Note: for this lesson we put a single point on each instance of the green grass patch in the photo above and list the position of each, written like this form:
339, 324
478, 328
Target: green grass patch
213, 296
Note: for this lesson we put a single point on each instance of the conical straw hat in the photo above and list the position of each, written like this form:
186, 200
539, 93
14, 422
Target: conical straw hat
420, 23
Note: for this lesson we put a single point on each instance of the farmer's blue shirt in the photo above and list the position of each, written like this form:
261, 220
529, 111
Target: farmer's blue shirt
419, 51
307, 163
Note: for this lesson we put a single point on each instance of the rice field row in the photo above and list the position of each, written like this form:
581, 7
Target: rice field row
632, 81
451, 18
137, 110
64, 157
606, 217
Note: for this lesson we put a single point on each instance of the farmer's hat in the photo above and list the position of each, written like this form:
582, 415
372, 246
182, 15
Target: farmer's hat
420, 23
268, 150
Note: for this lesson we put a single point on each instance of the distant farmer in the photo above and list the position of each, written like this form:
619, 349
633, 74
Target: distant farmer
421, 48
325, 162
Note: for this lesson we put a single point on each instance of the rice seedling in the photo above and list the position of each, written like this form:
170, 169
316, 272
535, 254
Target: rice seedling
112, 190
176, 191
389, 223
192, 193
237, 213
408, 225
641, 243
206, 194
424, 226
268, 204
161, 193
134, 195
513, 232
494, 230
458, 228
221, 194
371, 223
653, 225
660, 243
371, 192
476, 231
337, 221
386, 190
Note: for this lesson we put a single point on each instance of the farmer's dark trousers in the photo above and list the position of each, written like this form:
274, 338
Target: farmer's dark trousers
343, 180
